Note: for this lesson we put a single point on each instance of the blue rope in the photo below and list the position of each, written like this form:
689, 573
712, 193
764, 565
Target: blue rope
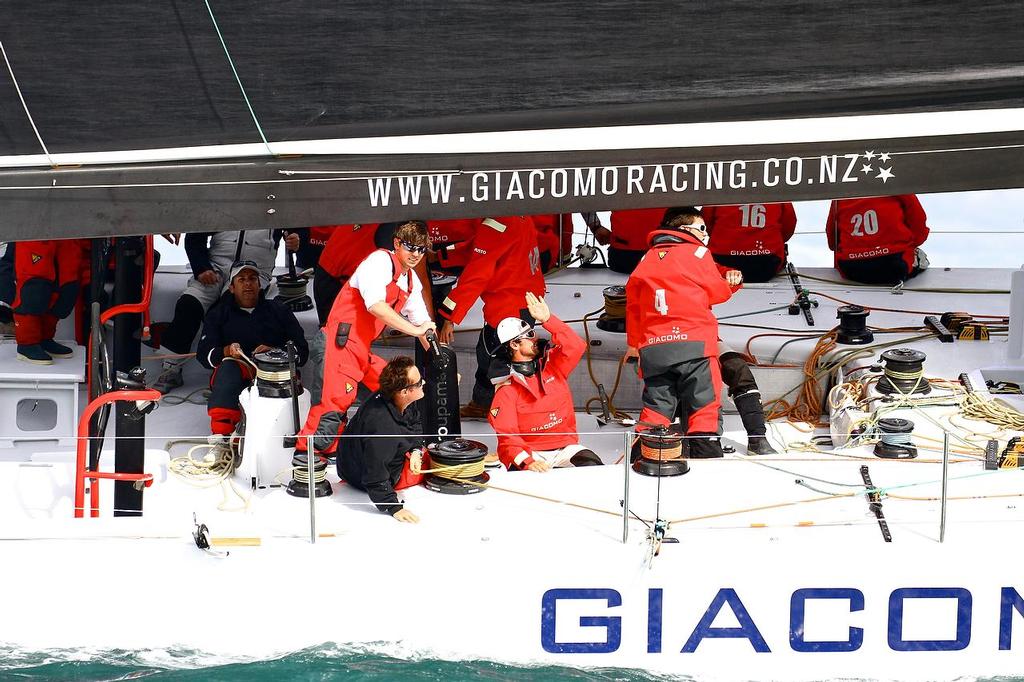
238, 80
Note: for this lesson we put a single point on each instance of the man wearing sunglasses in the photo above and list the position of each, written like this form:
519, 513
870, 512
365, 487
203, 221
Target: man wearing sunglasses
384, 448
383, 291
532, 411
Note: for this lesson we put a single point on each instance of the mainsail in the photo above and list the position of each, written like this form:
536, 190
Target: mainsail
122, 117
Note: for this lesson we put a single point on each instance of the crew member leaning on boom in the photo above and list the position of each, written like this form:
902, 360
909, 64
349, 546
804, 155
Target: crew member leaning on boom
670, 326
532, 412
504, 266
383, 291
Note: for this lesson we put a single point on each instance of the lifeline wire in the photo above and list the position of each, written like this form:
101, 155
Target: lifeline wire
238, 80
17, 88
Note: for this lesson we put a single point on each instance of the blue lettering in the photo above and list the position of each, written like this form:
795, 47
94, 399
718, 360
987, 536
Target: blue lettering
747, 630
655, 599
796, 620
611, 624
1009, 602
963, 619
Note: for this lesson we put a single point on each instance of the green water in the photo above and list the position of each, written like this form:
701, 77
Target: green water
319, 663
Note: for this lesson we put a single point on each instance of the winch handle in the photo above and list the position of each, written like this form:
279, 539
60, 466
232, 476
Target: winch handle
431, 338
289, 259
294, 381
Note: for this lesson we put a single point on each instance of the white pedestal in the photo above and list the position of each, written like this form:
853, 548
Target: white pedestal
56, 383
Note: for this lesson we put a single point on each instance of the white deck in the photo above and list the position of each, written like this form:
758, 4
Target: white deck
482, 563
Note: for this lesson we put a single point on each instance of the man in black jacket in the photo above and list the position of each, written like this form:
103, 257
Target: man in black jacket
381, 465
241, 324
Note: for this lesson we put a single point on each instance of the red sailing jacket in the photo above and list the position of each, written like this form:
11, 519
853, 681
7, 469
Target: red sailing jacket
631, 228
549, 223
750, 229
453, 240
539, 406
349, 307
505, 265
877, 226
670, 294
346, 248
319, 236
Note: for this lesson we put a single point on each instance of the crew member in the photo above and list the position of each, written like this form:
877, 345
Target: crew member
46, 276
750, 237
628, 239
8, 287
345, 250
452, 243
746, 396
876, 240
384, 452
382, 291
532, 412
241, 324
505, 265
312, 241
670, 327
211, 256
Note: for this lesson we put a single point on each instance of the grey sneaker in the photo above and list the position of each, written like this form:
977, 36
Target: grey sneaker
169, 380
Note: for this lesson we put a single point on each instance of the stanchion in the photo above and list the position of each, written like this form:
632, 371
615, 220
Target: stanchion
627, 445
310, 457
945, 479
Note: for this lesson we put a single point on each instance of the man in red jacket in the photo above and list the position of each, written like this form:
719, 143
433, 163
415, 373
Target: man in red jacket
670, 327
876, 240
383, 290
46, 276
750, 237
627, 240
504, 266
532, 411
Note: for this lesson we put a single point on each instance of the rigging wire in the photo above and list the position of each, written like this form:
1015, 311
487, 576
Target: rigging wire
24, 105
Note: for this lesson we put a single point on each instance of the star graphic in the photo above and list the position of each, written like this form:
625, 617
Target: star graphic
884, 174
884, 158
866, 168
869, 155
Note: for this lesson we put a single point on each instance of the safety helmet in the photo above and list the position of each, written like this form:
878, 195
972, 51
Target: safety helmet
512, 328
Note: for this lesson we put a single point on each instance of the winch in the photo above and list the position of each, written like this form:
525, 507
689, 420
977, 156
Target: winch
903, 372
895, 439
853, 325
661, 452
613, 319
457, 467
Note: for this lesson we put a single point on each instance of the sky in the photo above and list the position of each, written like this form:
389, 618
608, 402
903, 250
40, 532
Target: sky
962, 226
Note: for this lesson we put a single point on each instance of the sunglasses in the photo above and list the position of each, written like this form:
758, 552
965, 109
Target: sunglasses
532, 334
418, 384
412, 248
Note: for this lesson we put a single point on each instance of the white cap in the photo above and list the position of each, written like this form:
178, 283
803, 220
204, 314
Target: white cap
512, 328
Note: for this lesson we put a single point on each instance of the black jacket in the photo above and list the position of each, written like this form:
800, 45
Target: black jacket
269, 323
374, 464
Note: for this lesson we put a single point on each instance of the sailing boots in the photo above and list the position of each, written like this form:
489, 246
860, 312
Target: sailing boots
752, 416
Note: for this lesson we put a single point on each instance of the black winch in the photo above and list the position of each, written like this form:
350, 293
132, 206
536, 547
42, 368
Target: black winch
659, 451
853, 325
903, 372
299, 485
291, 288
459, 466
895, 439
273, 374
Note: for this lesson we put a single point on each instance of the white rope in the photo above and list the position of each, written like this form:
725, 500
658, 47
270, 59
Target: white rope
24, 105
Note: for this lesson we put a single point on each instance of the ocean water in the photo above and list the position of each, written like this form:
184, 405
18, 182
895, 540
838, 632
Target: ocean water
325, 662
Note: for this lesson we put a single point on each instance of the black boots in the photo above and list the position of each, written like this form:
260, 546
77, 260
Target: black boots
752, 415
585, 458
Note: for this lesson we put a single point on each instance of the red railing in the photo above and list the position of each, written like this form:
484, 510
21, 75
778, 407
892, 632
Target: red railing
82, 473
147, 294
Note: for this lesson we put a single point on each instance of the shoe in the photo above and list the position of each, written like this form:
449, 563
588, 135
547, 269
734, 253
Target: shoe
169, 380
759, 445
35, 354
473, 411
56, 350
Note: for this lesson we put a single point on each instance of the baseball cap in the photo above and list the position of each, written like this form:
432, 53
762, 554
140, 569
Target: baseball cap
240, 265
512, 328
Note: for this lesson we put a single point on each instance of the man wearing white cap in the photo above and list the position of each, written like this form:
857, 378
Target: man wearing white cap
532, 411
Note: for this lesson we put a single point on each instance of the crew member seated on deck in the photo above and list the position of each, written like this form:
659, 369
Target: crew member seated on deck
876, 240
671, 329
383, 450
241, 324
210, 256
627, 239
532, 411
750, 237
383, 291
